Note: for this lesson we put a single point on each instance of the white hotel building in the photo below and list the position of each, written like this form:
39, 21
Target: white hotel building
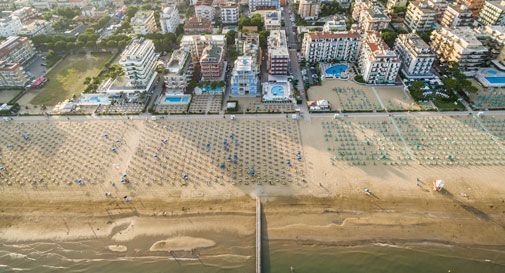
263, 4
180, 71
169, 19
328, 47
278, 54
461, 46
143, 23
493, 13
420, 16
416, 56
230, 13
377, 62
139, 62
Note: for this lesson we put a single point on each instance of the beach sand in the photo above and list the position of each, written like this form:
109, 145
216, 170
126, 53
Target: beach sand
323, 203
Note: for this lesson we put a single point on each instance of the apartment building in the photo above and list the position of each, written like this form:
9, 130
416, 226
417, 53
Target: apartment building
309, 9
329, 47
263, 4
169, 19
273, 20
212, 63
196, 25
457, 16
334, 25
439, 6
244, 77
179, 73
461, 46
493, 37
144, 22
248, 44
204, 9
139, 63
474, 5
420, 17
377, 62
374, 18
416, 56
10, 26
16, 49
278, 54
230, 13
197, 43
492, 13
12, 75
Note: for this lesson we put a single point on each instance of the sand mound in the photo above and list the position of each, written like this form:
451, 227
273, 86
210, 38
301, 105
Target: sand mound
117, 248
183, 243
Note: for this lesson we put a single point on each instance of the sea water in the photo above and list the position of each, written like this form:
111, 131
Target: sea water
278, 256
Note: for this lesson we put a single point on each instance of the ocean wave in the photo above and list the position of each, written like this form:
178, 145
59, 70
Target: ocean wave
54, 267
391, 245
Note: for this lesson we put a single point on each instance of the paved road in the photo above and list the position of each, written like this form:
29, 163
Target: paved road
293, 54
259, 116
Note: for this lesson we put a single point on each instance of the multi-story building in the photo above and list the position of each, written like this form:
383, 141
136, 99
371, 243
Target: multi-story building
329, 47
144, 22
334, 25
204, 9
169, 19
36, 27
309, 9
391, 4
12, 75
248, 44
25, 14
244, 77
179, 73
195, 25
139, 62
493, 37
272, 20
474, 5
230, 13
460, 46
377, 62
493, 13
416, 56
263, 4
439, 6
374, 18
16, 49
10, 26
278, 54
212, 63
197, 43
420, 17
457, 16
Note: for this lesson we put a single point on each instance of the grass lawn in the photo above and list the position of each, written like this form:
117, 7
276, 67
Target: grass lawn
7, 95
67, 78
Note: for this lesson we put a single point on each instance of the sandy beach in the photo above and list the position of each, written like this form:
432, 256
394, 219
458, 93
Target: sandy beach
321, 200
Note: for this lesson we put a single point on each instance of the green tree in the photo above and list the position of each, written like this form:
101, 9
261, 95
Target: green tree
230, 37
264, 38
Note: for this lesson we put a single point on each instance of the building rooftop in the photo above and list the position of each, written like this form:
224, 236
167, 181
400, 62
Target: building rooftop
333, 35
136, 50
177, 61
204, 2
244, 63
498, 4
141, 16
197, 23
12, 42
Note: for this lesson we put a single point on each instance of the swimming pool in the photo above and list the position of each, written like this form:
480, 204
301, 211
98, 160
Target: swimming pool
97, 99
336, 70
176, 99
495, 80
277, 90
492, 71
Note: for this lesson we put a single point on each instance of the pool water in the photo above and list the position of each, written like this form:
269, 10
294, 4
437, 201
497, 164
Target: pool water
492, 71
278, 91
336, 70
495, 79
96, 99
176, 99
